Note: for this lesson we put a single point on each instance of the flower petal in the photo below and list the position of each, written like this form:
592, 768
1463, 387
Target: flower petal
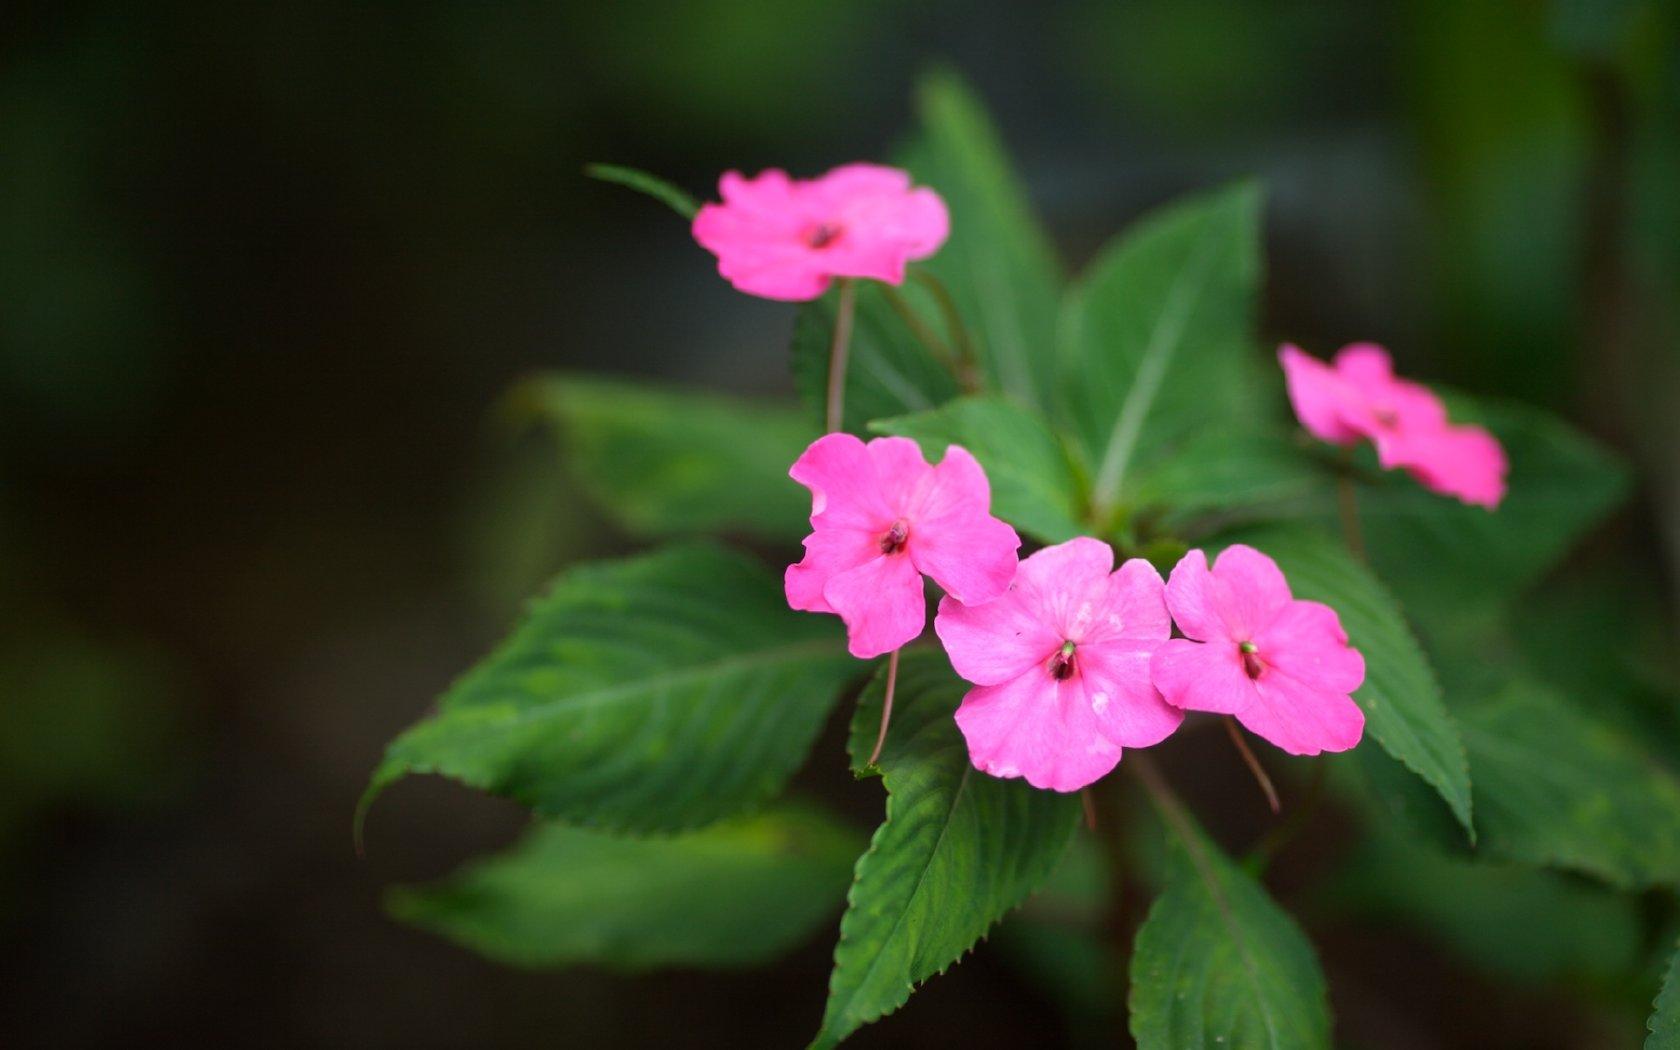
1036, 727
1067, 584
972, 558
840, 471
1202, 676
1307, 643
1317, 394
828, 553
1128, 707
1301, 718
1255, 590
1462, 461
994, 642
1135, 607
901, 474
882, 603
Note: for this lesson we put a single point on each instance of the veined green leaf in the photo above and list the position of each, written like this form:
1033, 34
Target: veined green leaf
1555, 787
642, 182
1455, 566
1217, 964
666, 461
888, 372
1034, 486
733, 894
655, 693
998, 264
957, 851
1664, 1024
1401, 698
1156, 341
1245, 470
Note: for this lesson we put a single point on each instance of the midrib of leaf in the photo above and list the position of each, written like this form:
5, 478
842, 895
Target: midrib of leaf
686, 676
1164, 341
921, 877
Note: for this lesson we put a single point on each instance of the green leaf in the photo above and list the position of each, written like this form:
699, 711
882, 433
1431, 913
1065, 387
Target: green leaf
1556, 787
656, 693
736, 893
1664, 1024
642, 182
1230, 470
1217, 964
1157, 338
958, 849
1034, 486
888, 372
667, 461
1516, 923
998, 264
1404, 711
1455, 566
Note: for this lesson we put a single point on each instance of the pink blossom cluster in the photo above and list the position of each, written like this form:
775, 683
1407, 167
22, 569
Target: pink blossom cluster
1071, 660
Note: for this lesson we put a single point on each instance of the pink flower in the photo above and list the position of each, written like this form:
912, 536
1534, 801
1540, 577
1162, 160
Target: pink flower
785, 238
1060, 665
1359, 397
880, 517
1283, 667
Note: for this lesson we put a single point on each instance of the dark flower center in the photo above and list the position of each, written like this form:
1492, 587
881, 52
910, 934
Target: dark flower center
822, 235
1061, 665
894, 539
1251, 659
1387, 417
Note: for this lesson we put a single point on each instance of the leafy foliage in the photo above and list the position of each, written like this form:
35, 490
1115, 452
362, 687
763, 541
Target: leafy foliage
998, 264
1555, 787
655, 693
958, 849
1158, 337
1401, 699
733, 894
1034, 486
1664, 1024
1217, 963
666, 462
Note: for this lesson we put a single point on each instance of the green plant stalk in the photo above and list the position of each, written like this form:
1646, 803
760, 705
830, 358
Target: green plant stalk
837, 355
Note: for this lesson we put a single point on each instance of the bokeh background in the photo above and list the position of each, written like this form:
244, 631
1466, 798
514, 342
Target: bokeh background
266, 269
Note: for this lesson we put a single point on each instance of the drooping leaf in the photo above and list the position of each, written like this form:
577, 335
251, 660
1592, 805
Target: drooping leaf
1157, 340
1404, 710
889, 372
1034, 486
642, 182
655, 693
1455, 566
998, 264
736, 893
1515, 923
1217, 964
958, 850
1664, 1024
669, 462
1556, 787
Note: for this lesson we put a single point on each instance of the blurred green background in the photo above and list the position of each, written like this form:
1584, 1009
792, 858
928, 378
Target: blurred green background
267, 269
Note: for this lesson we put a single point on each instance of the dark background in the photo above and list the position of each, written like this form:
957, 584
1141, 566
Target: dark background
265, 270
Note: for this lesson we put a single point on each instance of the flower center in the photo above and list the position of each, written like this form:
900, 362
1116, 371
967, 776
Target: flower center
1251, 659
821, 235
1387, 417
894, 539
1061, 665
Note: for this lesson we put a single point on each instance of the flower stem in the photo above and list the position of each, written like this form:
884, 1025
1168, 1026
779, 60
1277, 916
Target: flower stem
1299, 815
1253, 764
886, 706
837, 354
1347, 502
1089, 801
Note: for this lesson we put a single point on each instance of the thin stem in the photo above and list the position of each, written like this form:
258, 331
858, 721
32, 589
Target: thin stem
967, 363
918, 327
1161, 793
837, 354
1253, 764
1347, 502
886, 706
1087, 800
1300, 815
